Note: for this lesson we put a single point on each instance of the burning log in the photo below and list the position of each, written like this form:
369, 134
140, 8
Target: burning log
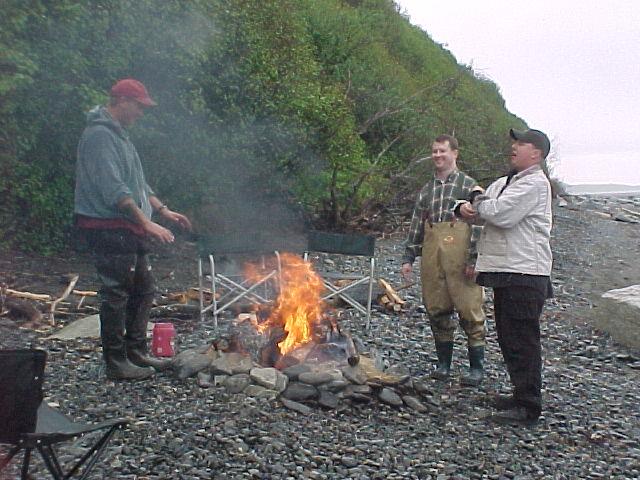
270, 352
353, 358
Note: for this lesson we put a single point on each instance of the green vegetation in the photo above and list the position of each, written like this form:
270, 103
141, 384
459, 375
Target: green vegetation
329, 104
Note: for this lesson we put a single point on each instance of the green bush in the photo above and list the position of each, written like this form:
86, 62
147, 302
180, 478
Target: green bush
323, 104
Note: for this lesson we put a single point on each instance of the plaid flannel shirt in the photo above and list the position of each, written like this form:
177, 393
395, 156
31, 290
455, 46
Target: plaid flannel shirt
435, 204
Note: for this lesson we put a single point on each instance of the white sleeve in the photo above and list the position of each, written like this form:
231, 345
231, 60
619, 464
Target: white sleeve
515, 203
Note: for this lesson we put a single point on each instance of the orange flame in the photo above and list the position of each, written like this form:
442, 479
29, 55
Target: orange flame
298, 306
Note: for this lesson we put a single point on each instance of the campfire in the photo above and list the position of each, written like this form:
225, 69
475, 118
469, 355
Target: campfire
300, 325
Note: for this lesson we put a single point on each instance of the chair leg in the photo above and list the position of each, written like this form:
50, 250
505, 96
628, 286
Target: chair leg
369, 299
212, 266
94, 452
24, 474
51, 461
200, 287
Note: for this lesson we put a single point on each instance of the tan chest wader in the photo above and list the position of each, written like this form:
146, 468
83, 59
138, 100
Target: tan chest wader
446, 289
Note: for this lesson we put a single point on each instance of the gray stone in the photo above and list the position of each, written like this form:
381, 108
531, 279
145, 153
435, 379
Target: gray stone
295, 370
232, 363
270, 378
390, 397
349, 462
414, 404
328, 400
219, 380
237, 383
192, 361
319, 377
357, 389
334, 385
355, 375
85, 327
359, 398
254, 390
300, 391
204, 380
221, 366
618, 313
298, 407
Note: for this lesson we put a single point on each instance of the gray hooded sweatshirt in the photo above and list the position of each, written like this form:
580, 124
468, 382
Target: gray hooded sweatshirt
108, 169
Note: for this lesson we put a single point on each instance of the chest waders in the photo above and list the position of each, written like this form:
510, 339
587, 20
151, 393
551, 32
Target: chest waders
446, 289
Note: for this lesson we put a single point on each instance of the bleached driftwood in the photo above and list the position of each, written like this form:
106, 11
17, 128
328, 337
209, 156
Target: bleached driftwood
390, 298
41, 297
65, 294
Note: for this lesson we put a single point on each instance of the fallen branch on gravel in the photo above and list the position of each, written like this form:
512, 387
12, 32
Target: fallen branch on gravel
28, 295
65, 294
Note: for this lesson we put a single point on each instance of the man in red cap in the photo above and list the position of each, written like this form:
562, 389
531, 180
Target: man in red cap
113, 207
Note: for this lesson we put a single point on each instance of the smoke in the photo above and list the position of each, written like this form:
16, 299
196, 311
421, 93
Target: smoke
204, 150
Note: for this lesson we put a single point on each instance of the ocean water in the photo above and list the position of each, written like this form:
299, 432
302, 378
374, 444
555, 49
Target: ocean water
604, 189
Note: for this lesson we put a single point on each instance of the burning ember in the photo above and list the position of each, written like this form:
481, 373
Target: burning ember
299, 307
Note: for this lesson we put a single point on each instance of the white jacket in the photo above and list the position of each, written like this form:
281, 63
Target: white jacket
517, 225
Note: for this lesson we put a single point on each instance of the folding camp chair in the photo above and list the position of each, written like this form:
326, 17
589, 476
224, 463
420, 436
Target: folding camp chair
349, 245
228, 285
27, 422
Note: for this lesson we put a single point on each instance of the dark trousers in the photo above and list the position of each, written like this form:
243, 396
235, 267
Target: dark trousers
126, 291
517, 316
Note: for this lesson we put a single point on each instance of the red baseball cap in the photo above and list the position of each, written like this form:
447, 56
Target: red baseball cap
131, 88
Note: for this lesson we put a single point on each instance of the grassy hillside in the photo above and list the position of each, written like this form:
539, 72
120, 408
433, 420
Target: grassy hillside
324, 105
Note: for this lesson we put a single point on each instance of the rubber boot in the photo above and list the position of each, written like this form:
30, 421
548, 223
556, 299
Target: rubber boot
112, 315
444, 350
120, 368
140, 356
138, 308
476, 367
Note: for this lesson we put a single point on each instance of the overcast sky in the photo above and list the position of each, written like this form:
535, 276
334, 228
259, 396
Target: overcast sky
568, 67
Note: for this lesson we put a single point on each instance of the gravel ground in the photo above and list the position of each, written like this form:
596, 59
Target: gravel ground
590, 426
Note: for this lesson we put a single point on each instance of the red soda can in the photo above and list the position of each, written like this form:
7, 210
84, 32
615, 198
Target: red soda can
163, 340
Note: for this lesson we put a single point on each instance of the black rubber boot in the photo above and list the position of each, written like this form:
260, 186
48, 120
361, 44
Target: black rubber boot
112, 316
444, 350
476, 367
504, 402
120, 368
139, 356
138, 308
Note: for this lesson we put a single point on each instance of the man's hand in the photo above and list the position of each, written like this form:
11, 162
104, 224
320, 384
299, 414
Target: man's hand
407, 272
467, 211
158, 232
470, 272
176, 218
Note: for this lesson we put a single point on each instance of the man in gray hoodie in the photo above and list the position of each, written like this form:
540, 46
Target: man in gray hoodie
113, 208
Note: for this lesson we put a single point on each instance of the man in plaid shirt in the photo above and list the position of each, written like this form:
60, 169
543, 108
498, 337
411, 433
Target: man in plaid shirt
447, 268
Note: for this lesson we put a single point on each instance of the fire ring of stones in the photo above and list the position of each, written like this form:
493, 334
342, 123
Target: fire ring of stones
314, 375
304, 357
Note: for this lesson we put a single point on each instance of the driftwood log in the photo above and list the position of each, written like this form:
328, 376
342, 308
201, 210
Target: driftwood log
390, 299
17, 309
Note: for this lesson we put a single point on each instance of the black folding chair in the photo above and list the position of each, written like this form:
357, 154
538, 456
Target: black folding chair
228, 285
347, 245
27, 422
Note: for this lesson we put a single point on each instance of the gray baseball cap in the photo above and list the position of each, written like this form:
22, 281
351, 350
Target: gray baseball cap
534, 137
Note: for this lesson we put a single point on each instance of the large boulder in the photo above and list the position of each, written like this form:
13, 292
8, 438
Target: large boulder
618, 313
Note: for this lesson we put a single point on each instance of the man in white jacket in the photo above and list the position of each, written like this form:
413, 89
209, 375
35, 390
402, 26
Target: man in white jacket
514, 258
